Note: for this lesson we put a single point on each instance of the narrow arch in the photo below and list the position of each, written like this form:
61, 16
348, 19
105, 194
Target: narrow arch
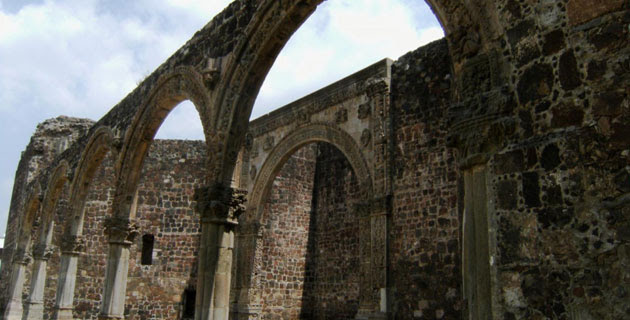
294, 141
33, 205
181, 84
56, 183
98, 146
184, 83
21, 257
95, 151
42, 250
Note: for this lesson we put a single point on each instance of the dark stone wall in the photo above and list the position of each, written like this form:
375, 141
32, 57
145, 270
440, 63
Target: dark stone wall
561, 181
425, 246
332, 261
171, 172
286, 225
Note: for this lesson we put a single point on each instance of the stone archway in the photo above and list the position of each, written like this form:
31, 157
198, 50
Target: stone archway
184, 83
371, 212
42, 250
98, 146
21, 257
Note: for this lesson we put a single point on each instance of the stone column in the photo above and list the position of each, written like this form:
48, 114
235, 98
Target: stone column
121, 232
248, 301
219, 208
366, 292
21, 259
35, 303
71, 247
373, 220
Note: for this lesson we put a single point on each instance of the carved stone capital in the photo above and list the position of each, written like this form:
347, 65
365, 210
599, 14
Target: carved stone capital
120, 231
42, 252
219, 204
22, 256
72, 244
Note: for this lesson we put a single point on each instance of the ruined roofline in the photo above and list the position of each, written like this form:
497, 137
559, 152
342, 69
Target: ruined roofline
378, 69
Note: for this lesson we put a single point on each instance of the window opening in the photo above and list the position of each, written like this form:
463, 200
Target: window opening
188, 302
148, 241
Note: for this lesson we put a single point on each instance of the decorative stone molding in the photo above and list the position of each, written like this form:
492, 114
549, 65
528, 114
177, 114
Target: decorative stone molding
269, 143
366, 137
210, 77
249, 141
42, 252
252, 172
72, 244
341, 116
120, 231
221, 205
374, 87
364, 111
21, 256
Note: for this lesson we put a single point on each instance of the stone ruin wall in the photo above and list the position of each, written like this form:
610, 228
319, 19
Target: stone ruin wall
51, 137
171, 172
540, 118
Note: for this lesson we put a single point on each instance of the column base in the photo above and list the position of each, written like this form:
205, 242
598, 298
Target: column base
245, 312
63, 314
364, 314
34, 311
13, 311
107, 317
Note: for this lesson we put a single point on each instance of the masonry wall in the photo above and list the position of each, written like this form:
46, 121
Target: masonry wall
561, 183
425, 262
171, 172
286, 226
50, 139
332, 259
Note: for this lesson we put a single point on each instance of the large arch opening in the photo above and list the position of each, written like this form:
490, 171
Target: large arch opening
306, 261
340, 38
425, 217
162, 274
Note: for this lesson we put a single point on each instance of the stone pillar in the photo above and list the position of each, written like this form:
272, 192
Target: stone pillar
71, 247
373, 249
378, 232
121, 232
21, 259
219, 208
35, 303
248, 301
366, 300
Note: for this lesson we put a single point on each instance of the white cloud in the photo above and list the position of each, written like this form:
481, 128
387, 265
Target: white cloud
341, 37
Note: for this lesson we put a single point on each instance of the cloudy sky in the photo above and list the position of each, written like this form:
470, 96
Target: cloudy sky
80, 57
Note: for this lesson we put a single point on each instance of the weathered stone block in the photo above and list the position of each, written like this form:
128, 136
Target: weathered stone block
580, 11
